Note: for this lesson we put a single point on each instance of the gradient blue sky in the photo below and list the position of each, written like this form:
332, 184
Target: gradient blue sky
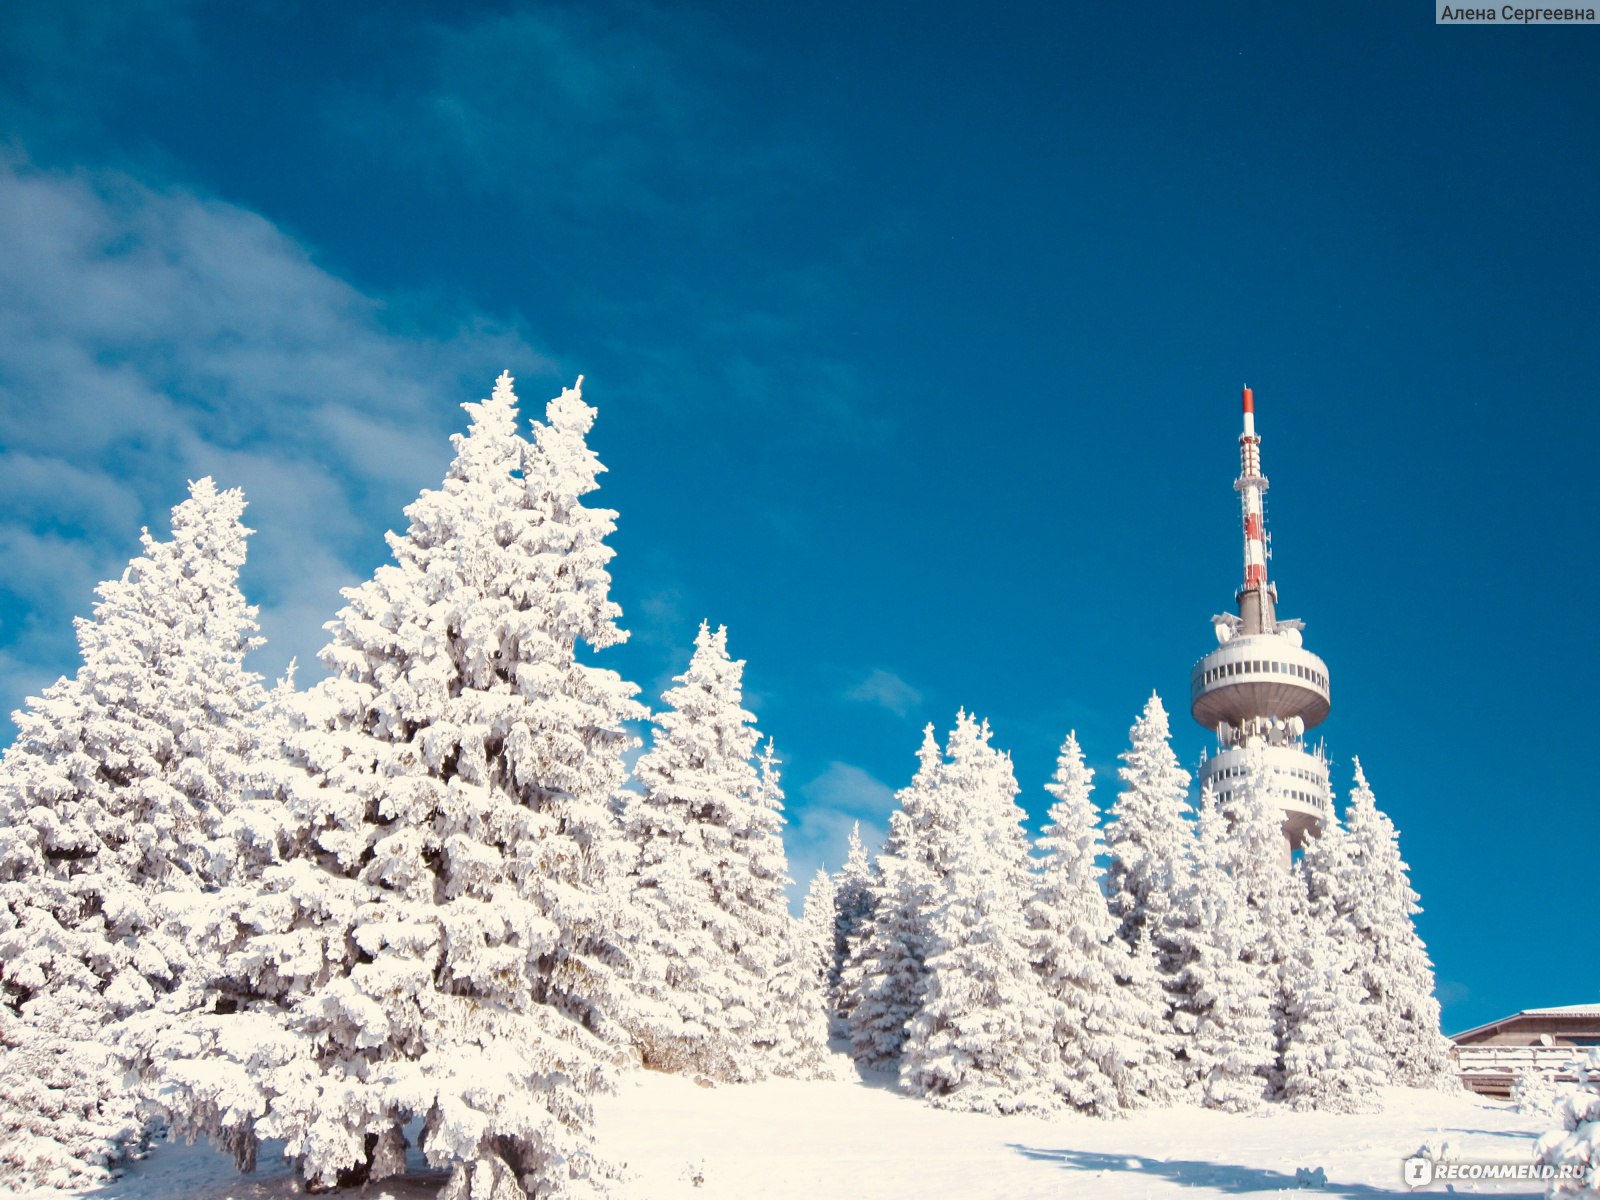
917, 337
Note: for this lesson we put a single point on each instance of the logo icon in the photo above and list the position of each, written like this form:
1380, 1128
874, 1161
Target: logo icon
1418, 1171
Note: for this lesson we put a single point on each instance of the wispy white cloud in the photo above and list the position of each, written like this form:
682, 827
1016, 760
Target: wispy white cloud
886, 689
851, 790
150, 335
830, 805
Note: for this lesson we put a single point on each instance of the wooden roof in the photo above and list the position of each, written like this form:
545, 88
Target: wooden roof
1551, 1018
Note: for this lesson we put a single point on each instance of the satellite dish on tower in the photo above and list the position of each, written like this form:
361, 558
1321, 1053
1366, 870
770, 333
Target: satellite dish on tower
1224, 632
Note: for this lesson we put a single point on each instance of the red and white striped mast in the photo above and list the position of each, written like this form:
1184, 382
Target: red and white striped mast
1260, 690
1256, 596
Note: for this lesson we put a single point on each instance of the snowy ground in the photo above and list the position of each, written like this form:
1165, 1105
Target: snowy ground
860, 1139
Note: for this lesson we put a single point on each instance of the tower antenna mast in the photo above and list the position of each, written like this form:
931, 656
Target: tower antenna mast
1261, 689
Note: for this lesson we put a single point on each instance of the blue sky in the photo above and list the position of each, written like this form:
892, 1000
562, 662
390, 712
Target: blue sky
917, 339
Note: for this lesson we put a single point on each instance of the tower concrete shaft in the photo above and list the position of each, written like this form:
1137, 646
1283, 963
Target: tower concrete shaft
1261, 689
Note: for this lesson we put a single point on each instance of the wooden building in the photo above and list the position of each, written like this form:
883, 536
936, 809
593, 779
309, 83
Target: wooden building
1543, 1039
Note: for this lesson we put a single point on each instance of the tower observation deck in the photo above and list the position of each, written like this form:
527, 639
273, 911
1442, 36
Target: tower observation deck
1261, 686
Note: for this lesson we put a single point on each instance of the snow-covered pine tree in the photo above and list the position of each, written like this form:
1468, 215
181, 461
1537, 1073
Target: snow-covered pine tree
709, 880
982, 1040
818, 921
114, 792
793, 1026
431, 941
694, 1008
797, 1016
1330, 1061
883, 981
1109, 1041
570, 755
1148, 837
796, 1008
1392, 963
1295, 963
1274, 898
1224, 1003
852, 905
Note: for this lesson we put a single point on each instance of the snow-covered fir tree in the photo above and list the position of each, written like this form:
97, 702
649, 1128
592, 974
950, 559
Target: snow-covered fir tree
432, 938
982, 1039
1109, 1048
1224, 1000
1148, 836
116, 791
1391, 961
695, 1008
708, 884
1275, 914
818, 923
853, 898
883, 981
796, 1008
1330, 1061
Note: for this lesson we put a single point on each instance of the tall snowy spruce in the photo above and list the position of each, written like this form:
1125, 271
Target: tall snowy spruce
819, 925
431, 938
1274, 919
884, 979
1224, 997
1330, 1061
116, 791
981, 1040
1391, 961
708, 885
1108, 1050
1148, 837
795, 1005
853, 900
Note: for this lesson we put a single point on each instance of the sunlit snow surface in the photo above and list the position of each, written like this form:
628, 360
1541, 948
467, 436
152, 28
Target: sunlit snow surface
861, 1139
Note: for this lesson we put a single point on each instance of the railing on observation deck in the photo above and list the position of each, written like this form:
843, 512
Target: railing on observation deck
1491, 1070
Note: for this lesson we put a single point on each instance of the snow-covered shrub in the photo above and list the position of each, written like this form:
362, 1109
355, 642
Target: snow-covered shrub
1574, 1144
1536, 1092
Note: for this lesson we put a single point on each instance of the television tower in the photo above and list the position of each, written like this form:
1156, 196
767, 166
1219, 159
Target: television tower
1261, 686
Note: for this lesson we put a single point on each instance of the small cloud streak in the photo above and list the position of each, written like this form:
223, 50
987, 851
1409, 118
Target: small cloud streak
888, 690
831, 805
